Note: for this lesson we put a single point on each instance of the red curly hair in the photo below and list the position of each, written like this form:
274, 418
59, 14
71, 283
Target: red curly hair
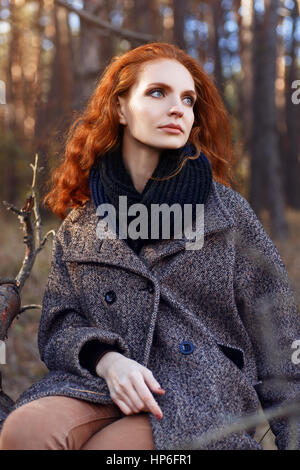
97, 129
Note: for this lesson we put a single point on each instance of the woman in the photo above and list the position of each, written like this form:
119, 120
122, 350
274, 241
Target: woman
152, 341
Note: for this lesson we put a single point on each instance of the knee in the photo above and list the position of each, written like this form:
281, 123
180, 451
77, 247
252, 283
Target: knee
24, 428
13, 428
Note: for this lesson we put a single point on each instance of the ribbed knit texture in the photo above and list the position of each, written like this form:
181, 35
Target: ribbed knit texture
109, 179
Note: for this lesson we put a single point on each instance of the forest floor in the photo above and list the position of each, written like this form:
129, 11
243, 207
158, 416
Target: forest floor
24, 366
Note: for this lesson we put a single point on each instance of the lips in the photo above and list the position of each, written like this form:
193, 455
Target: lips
172, 126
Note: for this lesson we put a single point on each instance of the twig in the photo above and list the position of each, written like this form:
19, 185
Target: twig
29, 307
36, 210
8, 281
245, 423
261, 439
11, 207
32, 234
84, 15
50, 232
10, 289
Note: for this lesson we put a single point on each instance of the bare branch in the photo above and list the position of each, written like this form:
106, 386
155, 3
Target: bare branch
9, 307
10, 289
290, 409
29, 307
9, 281
85, 16
11, 207
29, 240
51, 232
32, 233
36, 209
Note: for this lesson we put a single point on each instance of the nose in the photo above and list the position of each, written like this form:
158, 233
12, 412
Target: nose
176, 109
176, 105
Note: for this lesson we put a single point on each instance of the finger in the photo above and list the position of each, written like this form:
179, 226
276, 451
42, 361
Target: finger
147, 397
152, 383
118, 393
123, 407
127, 400
135, 398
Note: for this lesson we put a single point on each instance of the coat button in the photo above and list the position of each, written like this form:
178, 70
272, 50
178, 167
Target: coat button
150, 287
110, 296
186, 347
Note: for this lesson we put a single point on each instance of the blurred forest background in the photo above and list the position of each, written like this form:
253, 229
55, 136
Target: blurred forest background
53, 53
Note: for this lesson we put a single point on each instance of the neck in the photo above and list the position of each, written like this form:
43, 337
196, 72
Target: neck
140, 161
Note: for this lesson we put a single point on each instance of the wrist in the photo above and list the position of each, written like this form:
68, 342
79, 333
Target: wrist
104, 361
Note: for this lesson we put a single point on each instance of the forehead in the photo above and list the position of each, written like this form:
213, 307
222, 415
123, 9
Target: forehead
168, 71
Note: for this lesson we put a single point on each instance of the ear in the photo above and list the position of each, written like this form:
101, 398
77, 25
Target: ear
121, 110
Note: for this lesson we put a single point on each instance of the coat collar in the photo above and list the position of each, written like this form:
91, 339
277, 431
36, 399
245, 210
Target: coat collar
85, 246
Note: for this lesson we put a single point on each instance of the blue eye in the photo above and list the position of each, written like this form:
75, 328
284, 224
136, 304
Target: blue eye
190, 98
155, 91
159, 90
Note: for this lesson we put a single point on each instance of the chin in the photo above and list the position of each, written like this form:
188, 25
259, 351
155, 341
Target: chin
174, 144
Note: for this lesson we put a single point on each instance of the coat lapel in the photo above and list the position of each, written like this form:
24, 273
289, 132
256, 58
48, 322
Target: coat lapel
216, 218
87, 247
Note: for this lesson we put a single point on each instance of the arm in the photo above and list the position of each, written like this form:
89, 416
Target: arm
267, 307
64, 329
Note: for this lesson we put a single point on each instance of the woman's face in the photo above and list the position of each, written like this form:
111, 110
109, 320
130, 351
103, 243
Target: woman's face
150, 105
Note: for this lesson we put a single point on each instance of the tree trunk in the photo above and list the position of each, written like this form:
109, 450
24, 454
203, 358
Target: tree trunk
14, 106
217, 22
291, 149
60, 94
179, 9
266, 183
245, 91
95, 48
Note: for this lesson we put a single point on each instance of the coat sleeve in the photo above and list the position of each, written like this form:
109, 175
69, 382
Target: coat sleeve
65, 336
268, 309
91, 353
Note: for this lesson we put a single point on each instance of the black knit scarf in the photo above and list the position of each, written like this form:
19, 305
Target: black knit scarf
109, 179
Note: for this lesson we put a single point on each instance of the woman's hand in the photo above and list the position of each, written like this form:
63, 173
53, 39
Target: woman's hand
128, 383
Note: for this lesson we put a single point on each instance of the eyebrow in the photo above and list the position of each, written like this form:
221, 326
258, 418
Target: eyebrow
168, 87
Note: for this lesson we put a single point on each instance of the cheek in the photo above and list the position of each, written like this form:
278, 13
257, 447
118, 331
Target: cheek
138, 113
142, 116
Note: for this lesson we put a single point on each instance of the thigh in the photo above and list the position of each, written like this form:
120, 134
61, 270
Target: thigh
131, 432
55, 422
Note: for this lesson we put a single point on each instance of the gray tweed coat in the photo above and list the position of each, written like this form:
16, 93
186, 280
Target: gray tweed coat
214, 325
